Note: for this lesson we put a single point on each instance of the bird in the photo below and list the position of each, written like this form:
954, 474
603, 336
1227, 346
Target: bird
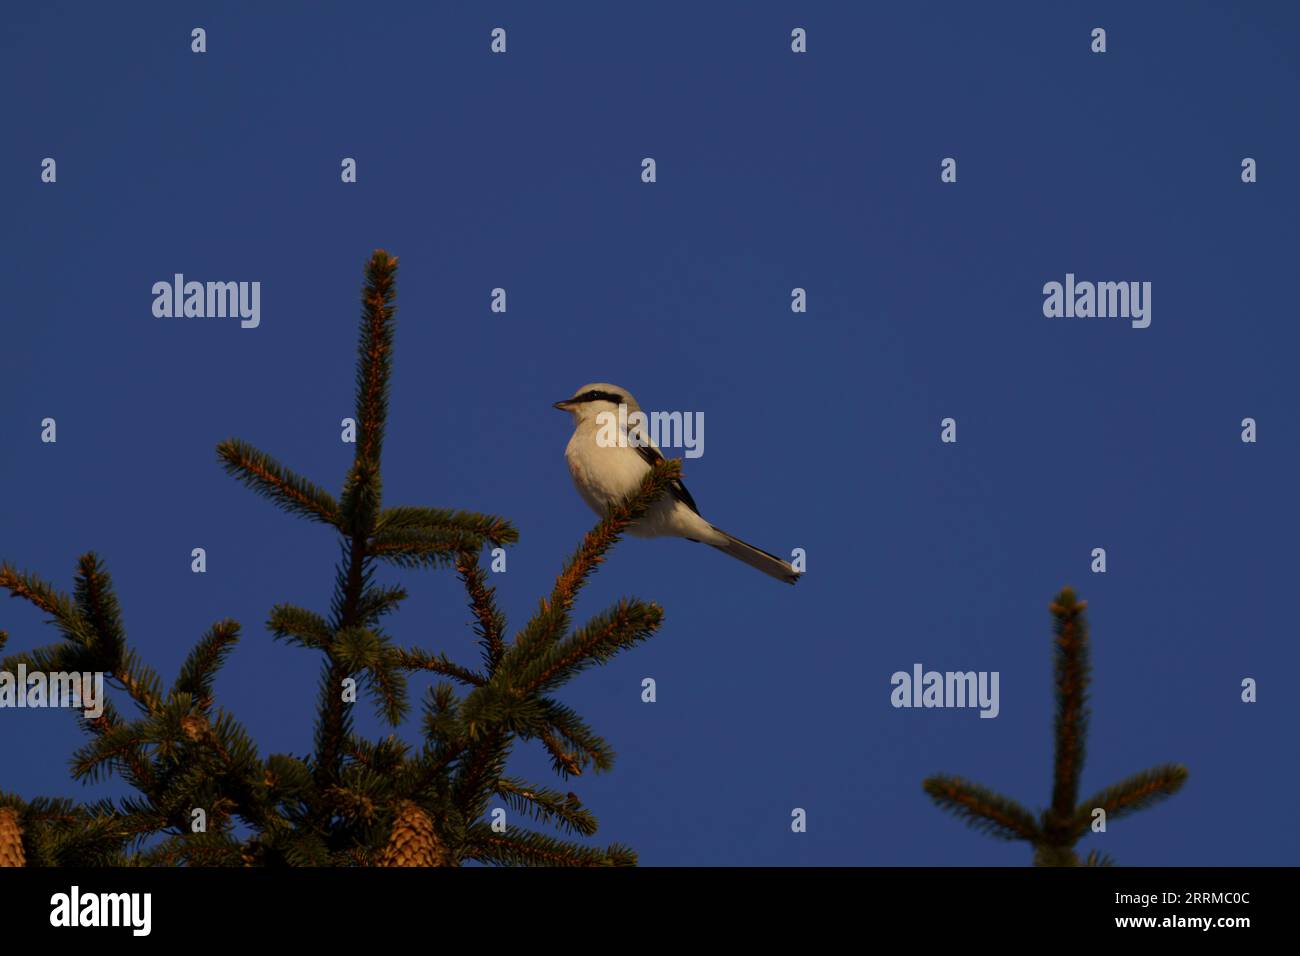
606, 472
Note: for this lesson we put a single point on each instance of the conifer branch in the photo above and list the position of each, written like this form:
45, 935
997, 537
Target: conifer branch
441, 723
268, 478
61, 833
91, 622
1071, 680
300, 626
505, 706
617, 629
572, 744
552, 617
501, 706
360, 504
489, 624
547, 806
353, 804
333, 807
201, 666
478, 770
1134, 793
133, 764
361, 649
415, 659
496, 530
137, 679
377, 601
98, 605
358, 511
982, 809
375, 354
136, 819
333, 726
565, 762
361, 499
527, 848
1049, 853
417, 548
108, 752
65, 614
1063, 824
53, 658
362, 490
390, 689
601, 538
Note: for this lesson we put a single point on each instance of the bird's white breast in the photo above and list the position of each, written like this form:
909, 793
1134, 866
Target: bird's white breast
603, 475
606, 474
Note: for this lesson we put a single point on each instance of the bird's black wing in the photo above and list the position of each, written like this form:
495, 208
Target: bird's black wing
650, 454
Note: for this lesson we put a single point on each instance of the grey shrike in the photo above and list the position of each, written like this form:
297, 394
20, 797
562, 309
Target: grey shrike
606, 473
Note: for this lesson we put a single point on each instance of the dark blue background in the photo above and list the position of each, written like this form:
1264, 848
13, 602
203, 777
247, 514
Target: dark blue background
775, 171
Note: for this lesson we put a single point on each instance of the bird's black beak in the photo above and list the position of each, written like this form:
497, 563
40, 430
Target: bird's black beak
563, 405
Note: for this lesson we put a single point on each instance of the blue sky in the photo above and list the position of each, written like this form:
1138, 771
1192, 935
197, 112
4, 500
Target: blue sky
775, 170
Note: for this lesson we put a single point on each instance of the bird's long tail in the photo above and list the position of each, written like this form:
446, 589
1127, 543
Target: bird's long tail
769, 564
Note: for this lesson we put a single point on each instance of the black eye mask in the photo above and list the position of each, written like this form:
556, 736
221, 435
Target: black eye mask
596, 396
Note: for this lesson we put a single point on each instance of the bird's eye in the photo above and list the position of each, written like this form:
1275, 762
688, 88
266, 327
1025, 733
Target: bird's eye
592, 396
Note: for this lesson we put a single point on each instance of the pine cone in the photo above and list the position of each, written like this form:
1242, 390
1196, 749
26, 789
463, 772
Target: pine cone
413, 841
11, 839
